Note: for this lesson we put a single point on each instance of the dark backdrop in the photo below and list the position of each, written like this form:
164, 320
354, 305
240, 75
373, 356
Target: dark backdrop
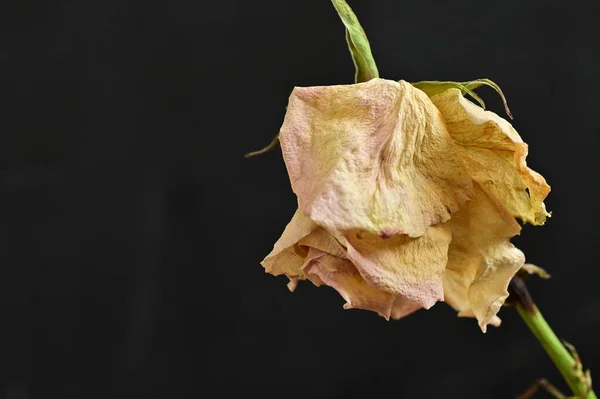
131, 226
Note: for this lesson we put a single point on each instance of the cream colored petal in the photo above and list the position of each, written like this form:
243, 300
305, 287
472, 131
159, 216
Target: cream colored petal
495, 156
320, 239
403, 307
481, 260
458, 278
287, 257
340, 274
373, 156
308, 251
494, 321
401, 265
293, 284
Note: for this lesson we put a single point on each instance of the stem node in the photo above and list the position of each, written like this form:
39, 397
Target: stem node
563, 354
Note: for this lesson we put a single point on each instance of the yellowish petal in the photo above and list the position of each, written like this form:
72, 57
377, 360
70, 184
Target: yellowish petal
340, 274
286, 257
403, 307
292, 284
320, 239
408, 267
291, 250
495, 156
481, 259
373, 156
494, 321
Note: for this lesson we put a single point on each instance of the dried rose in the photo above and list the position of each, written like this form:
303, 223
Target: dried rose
404, 200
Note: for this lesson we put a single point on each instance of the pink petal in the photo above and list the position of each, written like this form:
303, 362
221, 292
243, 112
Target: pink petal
408, 267
373, 156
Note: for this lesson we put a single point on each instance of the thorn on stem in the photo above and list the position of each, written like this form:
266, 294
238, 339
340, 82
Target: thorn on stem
577, 366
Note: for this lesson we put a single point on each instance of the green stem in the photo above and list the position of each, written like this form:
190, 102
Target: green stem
358, 44
569, 367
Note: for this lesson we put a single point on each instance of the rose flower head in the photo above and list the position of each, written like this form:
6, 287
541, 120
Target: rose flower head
404, 199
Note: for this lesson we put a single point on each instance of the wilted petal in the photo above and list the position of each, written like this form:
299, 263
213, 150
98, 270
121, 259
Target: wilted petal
403, 307
292, 284
495, 156
373, 156
494, 321
408, 267
322, 240
340, 274
286, 257
481, 260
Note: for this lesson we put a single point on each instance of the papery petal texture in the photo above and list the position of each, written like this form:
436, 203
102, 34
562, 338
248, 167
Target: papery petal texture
404, 200
307, 251
286, 257
494, 155
403, 307
373, 156
405, 266
323, 241
340, 274
481, 259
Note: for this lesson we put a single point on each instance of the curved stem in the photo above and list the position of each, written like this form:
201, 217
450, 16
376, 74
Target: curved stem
358, 44
565, 358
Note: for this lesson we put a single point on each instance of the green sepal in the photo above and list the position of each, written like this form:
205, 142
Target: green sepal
533, 269
432, 87
358, 44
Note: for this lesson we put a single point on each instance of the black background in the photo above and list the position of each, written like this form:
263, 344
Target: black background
131, 226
